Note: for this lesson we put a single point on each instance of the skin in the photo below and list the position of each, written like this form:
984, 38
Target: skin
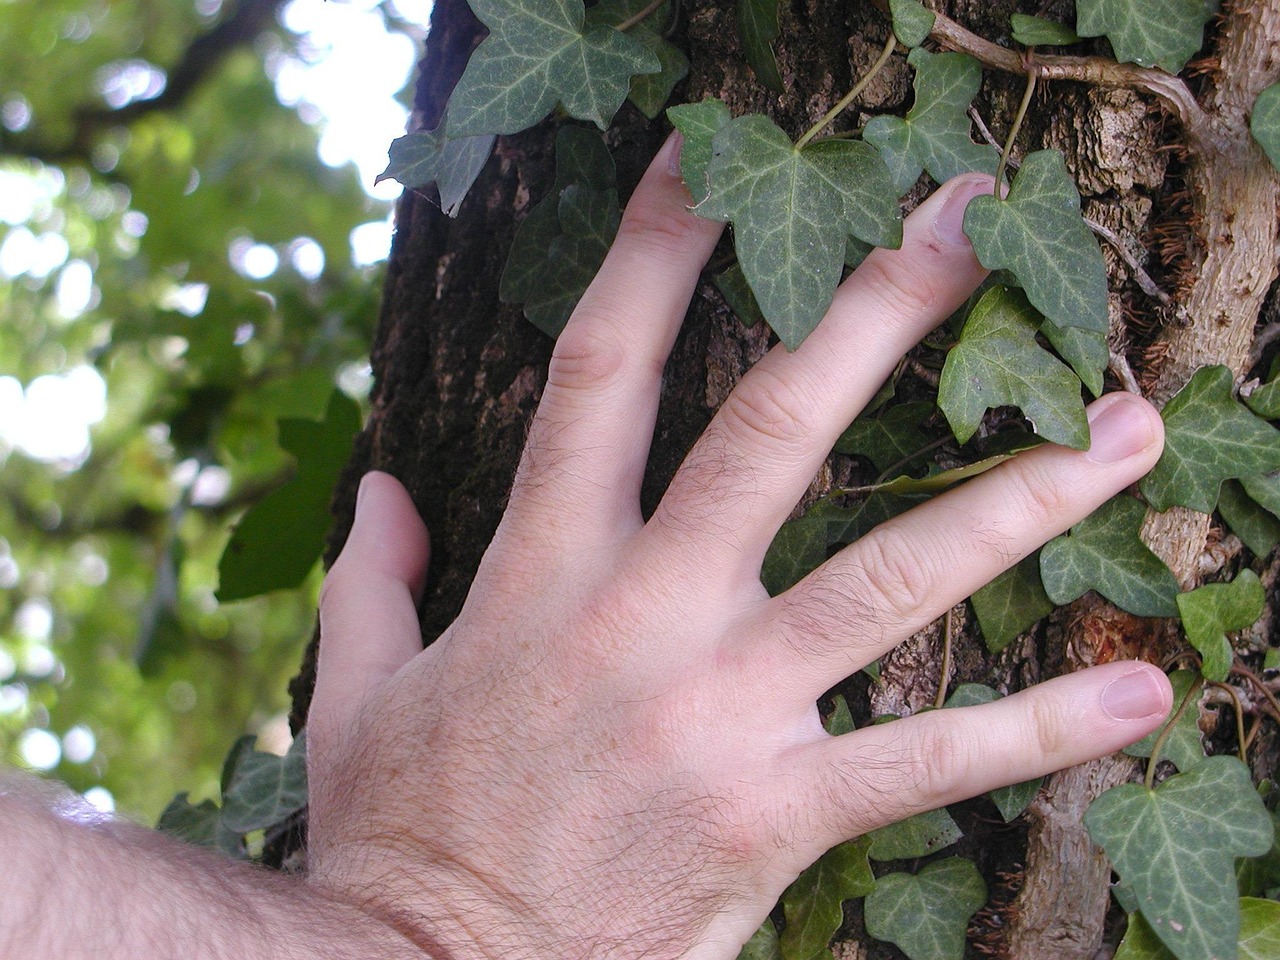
614, 751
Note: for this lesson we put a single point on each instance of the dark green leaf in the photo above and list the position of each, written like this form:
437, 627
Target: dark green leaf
1264, 490
1175, 848
912, 21
698, 124
812, 904
1209, 437
791, 211
1265, 123
945, 479
649, 91
427, 157
934, 135
841, 720
279, 540
1085, 350
1154, 33
1037, 234
1037, 31
758, 28
1104, 552
1011, 603
1265, 400
892, 439
1260, 876
733, 286
1210, 612
997, 362
200, 824
971, 695
266, 789
1259, 530
917, 836
763, 944
1183, 747
927, 915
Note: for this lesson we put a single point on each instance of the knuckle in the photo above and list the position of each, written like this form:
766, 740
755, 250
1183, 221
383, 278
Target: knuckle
938, 756
1050, 722
587, 357
1042, 500
904, 283
896, 579
765, 407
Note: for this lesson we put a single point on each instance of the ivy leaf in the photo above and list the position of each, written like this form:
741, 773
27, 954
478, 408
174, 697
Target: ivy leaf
997, 362
1264, 490
200, 824
426, 156
1183, 747
758, 27
1210, 612
1153, 33
841, 720
1174, 847
926, 915
280, 538
1104, 552
763, 944
912, 21
917, 836
1038, 235
649, 91
1015, 798
1209, 437
1037, 31
1259, 934
934, 135
971, 695
537, 55
698, 123
1259, 530
812, 904
1086, 351
266, 789
1265, 122
791, 210
1265, 400
799, 547
944, 479
1011, 603
893, 438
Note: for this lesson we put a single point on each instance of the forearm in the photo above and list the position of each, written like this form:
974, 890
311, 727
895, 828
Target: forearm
114, 891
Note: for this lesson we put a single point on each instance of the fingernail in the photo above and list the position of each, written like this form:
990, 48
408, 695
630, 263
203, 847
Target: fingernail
1134, 696
1118, 430
672, 147
949, 226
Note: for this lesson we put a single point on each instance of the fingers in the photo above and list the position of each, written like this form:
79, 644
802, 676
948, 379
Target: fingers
912, 569
772, 434
368, 614
887, 772
590, 439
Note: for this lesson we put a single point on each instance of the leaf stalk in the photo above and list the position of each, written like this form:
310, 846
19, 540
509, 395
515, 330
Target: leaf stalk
1154, 760
1033, 75
640, 17
852, 95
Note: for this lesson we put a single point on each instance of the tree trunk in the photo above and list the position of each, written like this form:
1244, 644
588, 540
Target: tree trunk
458, 373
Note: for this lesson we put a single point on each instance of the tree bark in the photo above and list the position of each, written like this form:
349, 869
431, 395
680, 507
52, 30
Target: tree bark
458, 373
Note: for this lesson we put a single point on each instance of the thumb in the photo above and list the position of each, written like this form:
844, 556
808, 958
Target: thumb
368, 604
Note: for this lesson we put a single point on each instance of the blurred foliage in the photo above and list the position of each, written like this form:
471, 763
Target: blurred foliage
145, 162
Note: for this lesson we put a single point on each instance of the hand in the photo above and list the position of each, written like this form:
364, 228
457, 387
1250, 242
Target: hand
614, 751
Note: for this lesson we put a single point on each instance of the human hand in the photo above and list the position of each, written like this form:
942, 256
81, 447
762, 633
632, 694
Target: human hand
614, 750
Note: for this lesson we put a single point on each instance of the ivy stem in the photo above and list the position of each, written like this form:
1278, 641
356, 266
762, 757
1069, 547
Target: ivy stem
1260, 686
643, 15
852, 95
1033, 75
1239, 708
941, 697
1154, 759
887, 474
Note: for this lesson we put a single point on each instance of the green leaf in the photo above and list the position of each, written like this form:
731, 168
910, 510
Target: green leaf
1259, 929
917, 836
799, 547
1210, 612
733, 286
537, 55
1038, 235
200, 824
1183, 747
698, 123
1015, 798
912, 21
1264, 490
1153, 33
1260, 876
791, 210
926, 915
812, 904
1104, 552
1265, 400
971, 695
758, 27
763, 944
1011, 603
1209, 437
1037, 31
934, 135
426, 157
892, 439
649, 91
841, 720
1265, 122
1254, 525
280, 538
997, 362
945, 479
1085, 350
1175, 847
266, 789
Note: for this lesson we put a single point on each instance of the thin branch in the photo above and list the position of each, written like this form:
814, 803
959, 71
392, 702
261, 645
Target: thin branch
640, 17
1124, 373
941, 698
1149, 286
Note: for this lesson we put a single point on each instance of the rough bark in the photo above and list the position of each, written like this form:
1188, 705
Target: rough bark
1163, 167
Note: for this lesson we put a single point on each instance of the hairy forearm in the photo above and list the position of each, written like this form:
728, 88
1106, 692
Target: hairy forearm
71, 889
